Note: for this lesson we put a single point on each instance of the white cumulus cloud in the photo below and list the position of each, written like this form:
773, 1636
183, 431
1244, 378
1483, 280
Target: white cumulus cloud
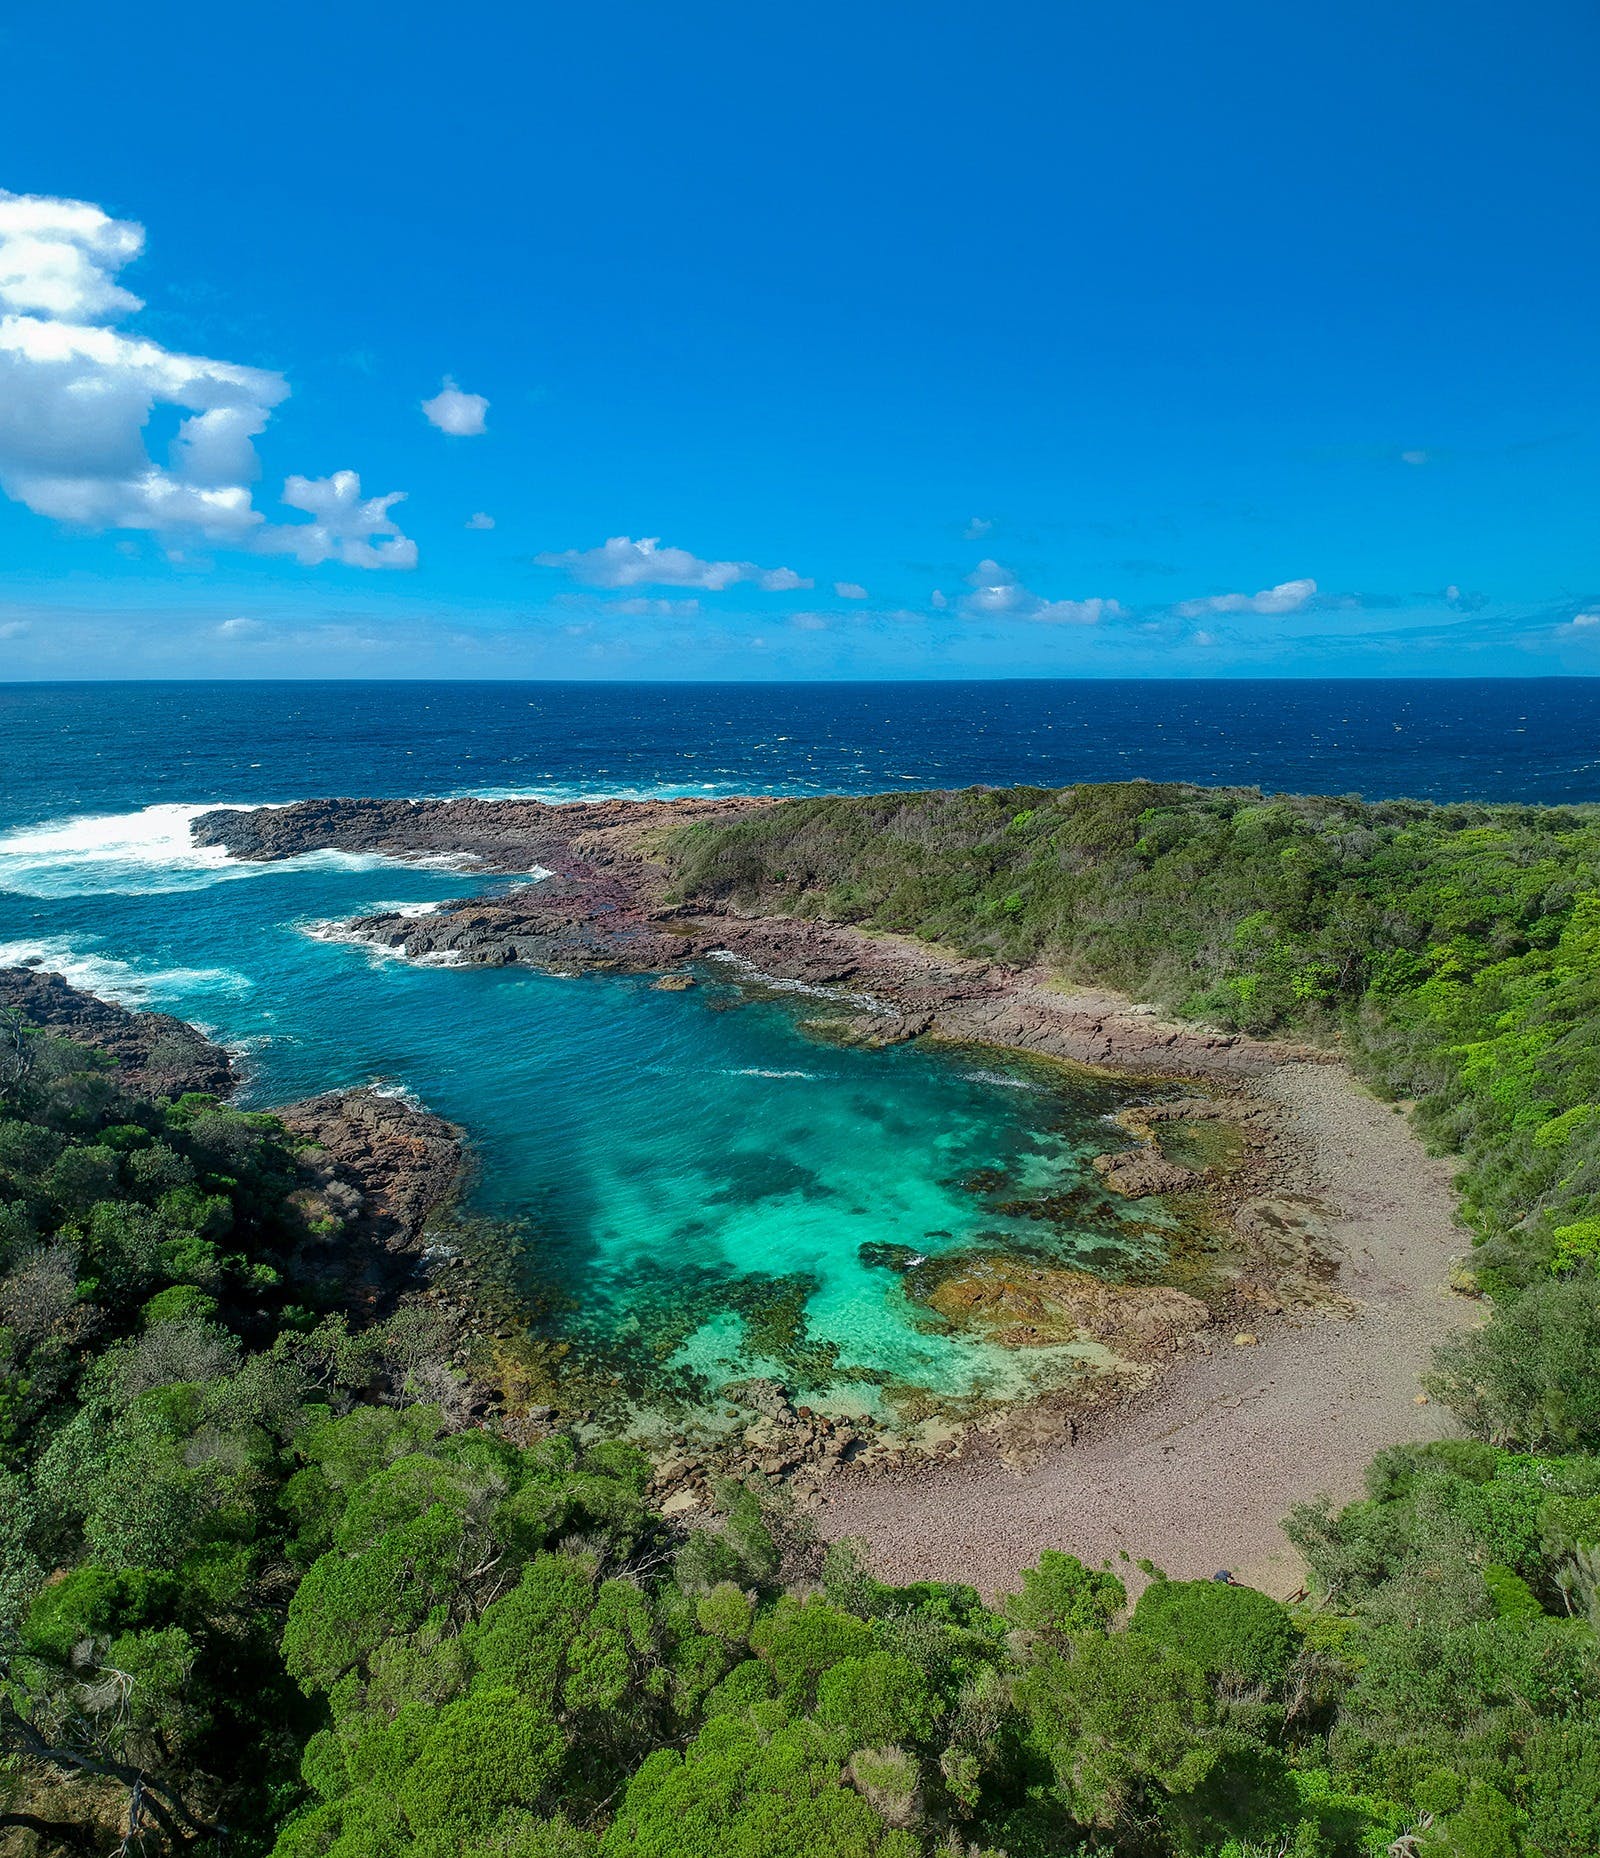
850, 590
460, 414
479, 520
57, 258
998, 594
1586, 619
1286, 597
76, 398
344, 526
622, 562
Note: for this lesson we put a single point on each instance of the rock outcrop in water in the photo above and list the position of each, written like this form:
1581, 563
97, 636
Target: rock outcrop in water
381, 1167
155, 1055
506, 836
604, 908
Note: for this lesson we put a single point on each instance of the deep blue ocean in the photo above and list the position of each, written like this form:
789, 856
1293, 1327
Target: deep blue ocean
682, 1165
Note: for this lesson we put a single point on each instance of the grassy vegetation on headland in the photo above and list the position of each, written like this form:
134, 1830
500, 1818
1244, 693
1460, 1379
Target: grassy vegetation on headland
248, 1580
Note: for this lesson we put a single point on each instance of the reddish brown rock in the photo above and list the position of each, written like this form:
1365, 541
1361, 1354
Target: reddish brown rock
154, 1054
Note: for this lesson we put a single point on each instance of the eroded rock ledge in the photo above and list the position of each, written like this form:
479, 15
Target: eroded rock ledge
378, 1168
156, 1055
604, 908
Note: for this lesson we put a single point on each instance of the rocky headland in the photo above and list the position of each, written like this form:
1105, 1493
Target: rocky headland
154, 1054
604, 907
375, 1168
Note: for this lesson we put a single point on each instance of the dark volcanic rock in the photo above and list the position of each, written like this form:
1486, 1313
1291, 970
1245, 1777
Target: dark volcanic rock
493, 835
380, 1165
155, 1055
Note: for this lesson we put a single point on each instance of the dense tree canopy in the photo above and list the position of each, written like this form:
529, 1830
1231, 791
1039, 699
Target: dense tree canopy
249, 1581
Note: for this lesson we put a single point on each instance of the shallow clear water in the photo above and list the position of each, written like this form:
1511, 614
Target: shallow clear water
672, 1154
697, 1178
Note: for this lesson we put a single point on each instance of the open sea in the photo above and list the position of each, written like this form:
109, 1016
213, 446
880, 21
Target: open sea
693, 1180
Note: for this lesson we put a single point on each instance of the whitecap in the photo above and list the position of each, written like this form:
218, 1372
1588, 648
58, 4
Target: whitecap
150, 852
112, 979
347, 935
755, 1070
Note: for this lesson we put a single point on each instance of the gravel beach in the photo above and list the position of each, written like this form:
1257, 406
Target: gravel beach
1197, 1473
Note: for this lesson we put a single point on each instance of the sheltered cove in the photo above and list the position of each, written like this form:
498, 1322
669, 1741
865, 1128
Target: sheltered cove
1281, 1268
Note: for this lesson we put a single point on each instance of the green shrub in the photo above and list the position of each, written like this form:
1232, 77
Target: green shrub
1236, 1635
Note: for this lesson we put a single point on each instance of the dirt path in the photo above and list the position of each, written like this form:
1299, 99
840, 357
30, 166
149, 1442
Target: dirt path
1197, 1475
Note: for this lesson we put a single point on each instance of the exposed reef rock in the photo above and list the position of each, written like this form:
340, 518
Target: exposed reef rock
1135, 1172
1020, 1303
604, 907
155, 1055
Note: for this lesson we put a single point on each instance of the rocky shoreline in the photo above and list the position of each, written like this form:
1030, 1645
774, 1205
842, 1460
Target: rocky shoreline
154, 1054
603, 907
375, 1168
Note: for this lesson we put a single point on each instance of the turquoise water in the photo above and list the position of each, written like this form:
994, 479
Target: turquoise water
694, 1178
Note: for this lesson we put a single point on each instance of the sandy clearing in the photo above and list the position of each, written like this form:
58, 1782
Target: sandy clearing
1197, 1474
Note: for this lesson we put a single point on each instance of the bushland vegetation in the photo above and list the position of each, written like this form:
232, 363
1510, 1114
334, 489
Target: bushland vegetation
257, 1596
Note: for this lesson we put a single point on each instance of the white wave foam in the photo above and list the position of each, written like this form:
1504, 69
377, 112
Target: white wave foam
868, 1003
1000, 1078
118, 980
755, 1070
147, 853
379, 952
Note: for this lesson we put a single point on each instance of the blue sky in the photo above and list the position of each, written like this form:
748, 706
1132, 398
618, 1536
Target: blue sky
870, 340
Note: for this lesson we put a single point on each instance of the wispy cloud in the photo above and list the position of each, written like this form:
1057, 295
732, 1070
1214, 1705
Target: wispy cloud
998, 594
977, 528
478, 520
76, 398
622, 562
460, 414
646, 607
850, 590
1286, 597
1460, 601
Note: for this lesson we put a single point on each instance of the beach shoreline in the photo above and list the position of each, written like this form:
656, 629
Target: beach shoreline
1191, 1463
1196, 1471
